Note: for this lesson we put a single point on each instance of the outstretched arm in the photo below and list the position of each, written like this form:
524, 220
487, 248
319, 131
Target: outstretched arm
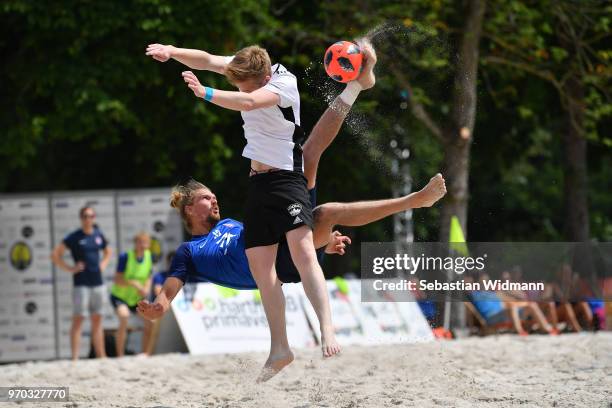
194, 59
238, 101
328, 126
157, 309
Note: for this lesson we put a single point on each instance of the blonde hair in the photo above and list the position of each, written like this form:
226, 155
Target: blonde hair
142, 236
182, 196
252, 62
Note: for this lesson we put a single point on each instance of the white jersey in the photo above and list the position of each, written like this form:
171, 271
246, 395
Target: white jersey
273, 134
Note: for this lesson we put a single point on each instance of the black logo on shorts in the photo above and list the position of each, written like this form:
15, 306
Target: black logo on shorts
294, 209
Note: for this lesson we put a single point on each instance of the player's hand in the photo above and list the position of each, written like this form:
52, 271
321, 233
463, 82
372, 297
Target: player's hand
337, 243
150, 311
193, 83
160, 52
367, 79
78, 267
142, 292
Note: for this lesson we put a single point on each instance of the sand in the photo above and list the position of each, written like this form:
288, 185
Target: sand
571, 370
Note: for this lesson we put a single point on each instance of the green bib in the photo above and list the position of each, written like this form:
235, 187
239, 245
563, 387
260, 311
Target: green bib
134, 270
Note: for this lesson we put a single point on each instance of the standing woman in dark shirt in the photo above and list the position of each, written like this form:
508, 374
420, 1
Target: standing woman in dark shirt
89, 291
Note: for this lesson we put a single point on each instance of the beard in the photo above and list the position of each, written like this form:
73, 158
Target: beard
213, 219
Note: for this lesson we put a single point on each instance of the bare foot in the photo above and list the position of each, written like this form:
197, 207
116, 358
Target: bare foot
329, 345
367, 79
274, 365
433, 191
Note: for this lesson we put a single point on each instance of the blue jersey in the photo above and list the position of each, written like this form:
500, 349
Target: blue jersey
86, 248
218, 257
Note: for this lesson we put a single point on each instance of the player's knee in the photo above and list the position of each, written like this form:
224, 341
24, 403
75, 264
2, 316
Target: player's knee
326, 213
122, 312
304, 257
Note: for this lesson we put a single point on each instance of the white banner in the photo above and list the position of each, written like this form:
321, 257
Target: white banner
218, 320
389, 321
27, 329
348, 327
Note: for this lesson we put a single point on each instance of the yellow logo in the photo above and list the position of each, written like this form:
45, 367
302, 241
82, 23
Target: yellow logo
21, 256
156, 251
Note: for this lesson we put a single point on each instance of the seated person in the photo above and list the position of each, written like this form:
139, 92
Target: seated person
497, 310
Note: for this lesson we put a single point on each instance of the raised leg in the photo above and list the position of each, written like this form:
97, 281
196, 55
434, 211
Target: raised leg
364, 212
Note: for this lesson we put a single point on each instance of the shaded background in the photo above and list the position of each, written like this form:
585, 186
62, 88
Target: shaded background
83, 108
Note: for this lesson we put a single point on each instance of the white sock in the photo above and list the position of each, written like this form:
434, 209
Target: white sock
349, 95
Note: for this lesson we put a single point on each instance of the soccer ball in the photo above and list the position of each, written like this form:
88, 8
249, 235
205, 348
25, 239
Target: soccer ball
343, 61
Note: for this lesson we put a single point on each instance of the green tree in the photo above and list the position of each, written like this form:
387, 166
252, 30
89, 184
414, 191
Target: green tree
561, 43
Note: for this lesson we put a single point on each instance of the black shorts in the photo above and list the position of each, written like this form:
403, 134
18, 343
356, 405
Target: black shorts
285, 268
115, 301
277, 202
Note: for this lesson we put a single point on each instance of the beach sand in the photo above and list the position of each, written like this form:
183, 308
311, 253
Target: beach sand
571, 370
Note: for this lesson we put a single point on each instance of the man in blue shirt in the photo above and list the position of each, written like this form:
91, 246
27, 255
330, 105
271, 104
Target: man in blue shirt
89, 291
216, 252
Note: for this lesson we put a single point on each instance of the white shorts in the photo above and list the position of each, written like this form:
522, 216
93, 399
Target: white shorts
88, 300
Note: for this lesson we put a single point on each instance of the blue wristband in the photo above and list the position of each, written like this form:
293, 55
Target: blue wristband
208, 93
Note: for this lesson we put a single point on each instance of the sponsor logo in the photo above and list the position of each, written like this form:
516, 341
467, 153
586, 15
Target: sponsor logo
126, 203
156, 249
294, 209
158, 226
297, 220
27, 231
30, 308
216, 233
225, 240
21, 256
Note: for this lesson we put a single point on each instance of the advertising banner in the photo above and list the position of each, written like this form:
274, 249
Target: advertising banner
349, 327
27, 328
219, 320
